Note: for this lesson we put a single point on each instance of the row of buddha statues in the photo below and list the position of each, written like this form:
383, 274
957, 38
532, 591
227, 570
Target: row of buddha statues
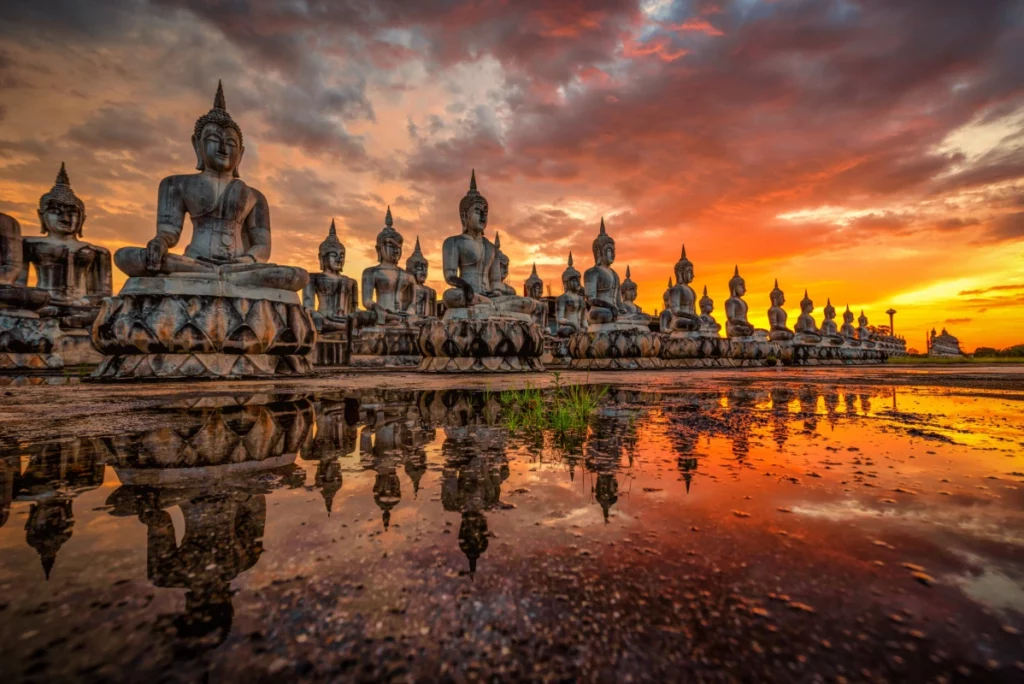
222, 309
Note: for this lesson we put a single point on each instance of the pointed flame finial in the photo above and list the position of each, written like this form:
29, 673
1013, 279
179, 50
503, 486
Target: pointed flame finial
497, 240
736, 271
705, 290
62, 176
776, 283
570, 257
627, 270
602, 226
334, 229
683, 255
388, 221
472, 180
218, 99
534, 271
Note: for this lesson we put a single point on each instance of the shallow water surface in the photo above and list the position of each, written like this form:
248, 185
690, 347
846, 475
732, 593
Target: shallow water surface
750, 530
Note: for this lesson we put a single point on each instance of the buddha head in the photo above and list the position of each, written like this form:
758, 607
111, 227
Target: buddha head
684, 269
534, 285
863, 320
417, 264
737, 286
217, 139
61, 212
628, 288
776, 295
332, 252
806, 305
473, 209
829, 311
570, 278
502, 258
848, 315
389, 242
604, 248
707, 305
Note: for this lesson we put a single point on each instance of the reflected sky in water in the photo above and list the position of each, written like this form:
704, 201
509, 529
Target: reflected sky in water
763, 530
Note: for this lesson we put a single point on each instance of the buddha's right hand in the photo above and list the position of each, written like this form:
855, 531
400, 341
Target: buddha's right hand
467, 289
600, 303
156, 250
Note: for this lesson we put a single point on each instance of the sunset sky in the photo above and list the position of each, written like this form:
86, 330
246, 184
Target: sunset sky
871, 151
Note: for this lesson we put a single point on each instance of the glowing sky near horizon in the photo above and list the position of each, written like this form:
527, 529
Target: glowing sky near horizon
869, 151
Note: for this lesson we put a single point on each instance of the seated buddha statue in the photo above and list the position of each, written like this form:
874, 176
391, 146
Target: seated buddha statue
472, 268
708, 325
534, 289
829, 329
230, 220
806, 328
570, 306
736, 324
863, 332
847, 330
602, 289
330, 296
778, 332
387, 288
77, 275
630, 311
680, 312
502, 287
15, 297
424, 297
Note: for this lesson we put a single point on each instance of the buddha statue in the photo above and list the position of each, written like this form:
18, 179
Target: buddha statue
708, 324
570, 306
847, 330
680, 314
602, 289
502, 287
534, 289
863, 332
230, 220
473, 270
736, 324
829, 329
630, 311
777, 316
806, 328
15, 297
387, 288
77, 275
330, 296
424, 297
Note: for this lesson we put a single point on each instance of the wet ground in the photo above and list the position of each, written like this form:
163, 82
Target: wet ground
858, 524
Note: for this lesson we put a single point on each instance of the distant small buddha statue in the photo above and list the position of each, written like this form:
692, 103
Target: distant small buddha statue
680, 313
847, 330
829, 330
777, 316
630, 311
14, 295
230, 220
424, 297
387, 288
473, 269
502, 287
570, 307
76, 274
863, 332
708, 324
806, 328
736, 324
534, 289
330, 296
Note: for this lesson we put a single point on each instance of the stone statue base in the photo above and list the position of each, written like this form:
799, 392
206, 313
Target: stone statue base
201, 327
734, 352
556, 351
498, 344
28, 342
77, 349
615, 347
332, 349
382, 346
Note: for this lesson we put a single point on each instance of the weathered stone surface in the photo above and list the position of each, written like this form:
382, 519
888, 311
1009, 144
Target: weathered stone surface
199, 365
685, 352
76, 348
621, 349
331, 350
494, 344
391, 346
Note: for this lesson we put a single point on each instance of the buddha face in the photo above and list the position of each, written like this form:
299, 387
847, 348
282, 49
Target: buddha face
862, 321
777, 297
419, 271
332, 262
684, 273
738, 287
475, 220
389, 252
219, 149
537, 290
830, 312
572, 284
629, 293
848, 317
61, 220
806, 306
604, 255
706, 306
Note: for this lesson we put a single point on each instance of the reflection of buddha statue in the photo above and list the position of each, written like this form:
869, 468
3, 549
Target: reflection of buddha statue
777, 316
534, 289
829, 329
472, 267
424, 298
331, 297
680, 312
806, 328
848, 332
630, 311
736, 324
48, 528
77, 275
230, 220
570, 308
708, 324
387, 288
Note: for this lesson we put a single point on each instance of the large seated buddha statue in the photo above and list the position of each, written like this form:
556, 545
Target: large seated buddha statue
570, 307
847, 330
736, 323
631, 311
502, 287
534, 289
864, 333
680, 313
829, 329
29, 334
778, 331
708, 325
220, 309
330, 296
485, 328
806, 328
424, 297
75, 273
